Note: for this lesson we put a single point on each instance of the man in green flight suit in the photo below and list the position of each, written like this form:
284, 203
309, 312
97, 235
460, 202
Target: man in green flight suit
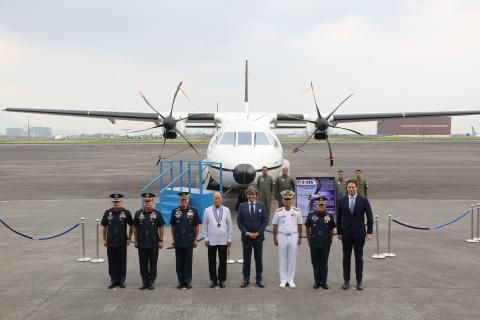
266, 190
340, 186
283, 182
362, 186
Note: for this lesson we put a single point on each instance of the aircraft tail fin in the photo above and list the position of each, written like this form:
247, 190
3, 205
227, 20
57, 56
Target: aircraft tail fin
246, 86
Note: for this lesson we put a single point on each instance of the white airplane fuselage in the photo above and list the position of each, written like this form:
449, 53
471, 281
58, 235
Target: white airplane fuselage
244, 147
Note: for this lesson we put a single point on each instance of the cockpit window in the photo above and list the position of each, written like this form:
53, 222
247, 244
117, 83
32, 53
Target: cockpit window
228, 138
275, 143
261, 139
244, 138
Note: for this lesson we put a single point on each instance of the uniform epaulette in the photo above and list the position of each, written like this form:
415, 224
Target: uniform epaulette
295, 208
279, 209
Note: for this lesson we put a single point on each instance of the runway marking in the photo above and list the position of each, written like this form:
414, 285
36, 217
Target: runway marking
3, 201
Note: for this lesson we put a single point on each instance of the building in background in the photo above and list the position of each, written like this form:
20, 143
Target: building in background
14, 132
415, 126
40, 132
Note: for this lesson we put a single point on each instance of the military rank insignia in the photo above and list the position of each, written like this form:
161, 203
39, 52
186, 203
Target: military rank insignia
178, 214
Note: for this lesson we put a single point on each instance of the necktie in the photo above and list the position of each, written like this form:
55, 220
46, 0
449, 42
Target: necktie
351, 205
252, 208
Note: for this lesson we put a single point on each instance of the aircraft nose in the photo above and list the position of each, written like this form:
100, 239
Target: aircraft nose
244, 173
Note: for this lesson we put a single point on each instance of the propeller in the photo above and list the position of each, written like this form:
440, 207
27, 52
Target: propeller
169, 123
322, 124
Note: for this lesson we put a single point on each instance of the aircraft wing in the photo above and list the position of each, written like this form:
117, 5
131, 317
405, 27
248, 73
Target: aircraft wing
363, 117
196, 119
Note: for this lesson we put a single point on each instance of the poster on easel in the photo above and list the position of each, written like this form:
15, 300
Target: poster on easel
308, 189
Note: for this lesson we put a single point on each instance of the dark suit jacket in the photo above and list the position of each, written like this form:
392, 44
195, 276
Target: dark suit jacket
353, 225
252, 222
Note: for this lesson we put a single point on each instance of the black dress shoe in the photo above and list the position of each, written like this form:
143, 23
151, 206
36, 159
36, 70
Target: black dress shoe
221, 284
151, 286
325, 286
316, 286
360, 285
213, 284
346, 285
180, 286
122, 285
260, 284
244, 283
143, 286
112, 285
188, 286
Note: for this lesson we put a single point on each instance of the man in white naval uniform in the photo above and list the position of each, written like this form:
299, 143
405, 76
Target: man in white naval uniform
287, 233
217, 230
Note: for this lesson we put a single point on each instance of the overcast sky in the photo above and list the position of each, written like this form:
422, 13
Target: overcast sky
394, 55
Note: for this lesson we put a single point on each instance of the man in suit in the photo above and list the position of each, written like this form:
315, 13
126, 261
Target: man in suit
251, 220
352, 210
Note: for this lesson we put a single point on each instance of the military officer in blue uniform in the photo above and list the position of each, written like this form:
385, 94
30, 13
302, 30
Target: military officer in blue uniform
114, 230
319, 229
185, 227
148, 227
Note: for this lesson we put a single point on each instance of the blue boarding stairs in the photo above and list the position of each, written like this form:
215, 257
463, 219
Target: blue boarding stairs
183, 176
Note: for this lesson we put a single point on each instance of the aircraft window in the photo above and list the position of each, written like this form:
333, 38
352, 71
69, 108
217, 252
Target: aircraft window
275, 143
244, 138
228, 138
261, 139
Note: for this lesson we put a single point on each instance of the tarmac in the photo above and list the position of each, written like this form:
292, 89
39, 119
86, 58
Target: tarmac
45, 189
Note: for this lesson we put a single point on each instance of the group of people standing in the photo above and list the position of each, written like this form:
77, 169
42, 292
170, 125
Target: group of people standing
147, 234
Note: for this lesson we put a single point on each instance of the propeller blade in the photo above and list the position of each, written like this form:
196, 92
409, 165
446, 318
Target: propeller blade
150, 105
142, 130
175, 96
183, 92
289, 116
330, 151
161, 153
292, 147
331, 113
189, 143
315, 99
298, 148
359, 133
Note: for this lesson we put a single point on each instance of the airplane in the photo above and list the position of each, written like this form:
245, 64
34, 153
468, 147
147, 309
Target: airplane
244, 142
474, 132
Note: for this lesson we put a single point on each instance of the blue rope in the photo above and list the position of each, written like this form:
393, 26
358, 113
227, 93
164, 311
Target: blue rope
433, 228
41, 238
410, 226
454, 220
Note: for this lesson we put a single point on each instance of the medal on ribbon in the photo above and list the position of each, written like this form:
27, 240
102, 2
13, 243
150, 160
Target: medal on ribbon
218, 213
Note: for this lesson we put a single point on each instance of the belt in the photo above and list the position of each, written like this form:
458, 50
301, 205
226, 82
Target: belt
287, 233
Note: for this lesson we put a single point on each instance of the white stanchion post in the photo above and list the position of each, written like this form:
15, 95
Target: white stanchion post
472, 239
229, 261
98, 259
389, 254
478, 223
83, 258
378, 255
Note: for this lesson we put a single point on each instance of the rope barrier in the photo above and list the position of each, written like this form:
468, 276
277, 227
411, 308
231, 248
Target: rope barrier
40, 238
432, 228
